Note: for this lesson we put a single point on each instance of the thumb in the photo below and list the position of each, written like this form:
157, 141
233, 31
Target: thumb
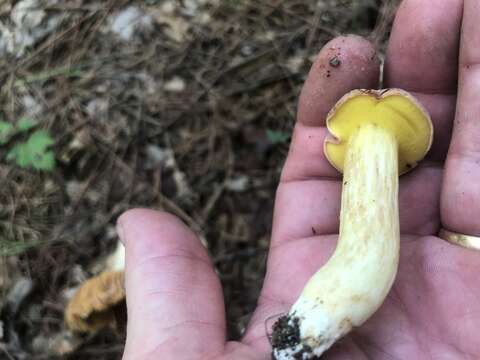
174, 298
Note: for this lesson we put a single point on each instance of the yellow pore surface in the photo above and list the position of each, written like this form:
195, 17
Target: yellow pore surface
394, 110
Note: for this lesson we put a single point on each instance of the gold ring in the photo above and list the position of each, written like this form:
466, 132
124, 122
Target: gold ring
467, 241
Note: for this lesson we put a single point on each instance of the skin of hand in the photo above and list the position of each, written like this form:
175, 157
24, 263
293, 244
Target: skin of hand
174, 297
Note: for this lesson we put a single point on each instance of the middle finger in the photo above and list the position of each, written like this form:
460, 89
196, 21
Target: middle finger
422, 58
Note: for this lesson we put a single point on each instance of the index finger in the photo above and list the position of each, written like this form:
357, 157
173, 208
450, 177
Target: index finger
344, 63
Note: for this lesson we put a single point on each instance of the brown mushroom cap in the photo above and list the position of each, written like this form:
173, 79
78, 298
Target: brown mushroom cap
93, 305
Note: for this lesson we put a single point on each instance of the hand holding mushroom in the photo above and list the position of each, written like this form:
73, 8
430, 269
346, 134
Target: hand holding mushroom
428, 307
378, 134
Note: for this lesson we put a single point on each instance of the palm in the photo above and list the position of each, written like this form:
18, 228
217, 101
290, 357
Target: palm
433, 307
432, 310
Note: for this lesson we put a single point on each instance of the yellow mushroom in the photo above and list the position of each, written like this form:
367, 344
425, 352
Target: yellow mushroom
99, 300
377, 135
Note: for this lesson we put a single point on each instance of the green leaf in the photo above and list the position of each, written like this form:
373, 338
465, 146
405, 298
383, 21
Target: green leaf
25, 124
34, 152
45, 161
6, 131
277, 137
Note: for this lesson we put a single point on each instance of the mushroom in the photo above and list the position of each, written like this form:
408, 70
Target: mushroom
99, 301
377, 135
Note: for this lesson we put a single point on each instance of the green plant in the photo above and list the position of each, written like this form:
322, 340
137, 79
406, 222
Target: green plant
34, 152
6, 131
277, 137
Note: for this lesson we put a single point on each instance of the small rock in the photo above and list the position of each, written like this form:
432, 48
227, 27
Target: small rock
176, 84
190, 7
184, 192
168, 7
294, 64
32, 106
74, 189
29, 25
128, 20
203, 18
97, 108
268, 35
237, 184
27, 13
247, 50
157, 156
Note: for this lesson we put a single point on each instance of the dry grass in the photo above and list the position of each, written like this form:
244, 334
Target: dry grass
123, 139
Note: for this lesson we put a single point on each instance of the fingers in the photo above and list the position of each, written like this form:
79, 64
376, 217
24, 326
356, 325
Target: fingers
174, 298
345, 63
422, 58
423, 49
460, 206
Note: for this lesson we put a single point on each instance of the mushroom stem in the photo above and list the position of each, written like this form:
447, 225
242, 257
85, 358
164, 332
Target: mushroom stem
353, 284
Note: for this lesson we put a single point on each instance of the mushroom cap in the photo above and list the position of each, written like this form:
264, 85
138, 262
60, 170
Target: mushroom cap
393, 109
94, 304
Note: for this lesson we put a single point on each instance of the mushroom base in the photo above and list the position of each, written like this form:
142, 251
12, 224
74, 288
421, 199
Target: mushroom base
307, 331
286, 340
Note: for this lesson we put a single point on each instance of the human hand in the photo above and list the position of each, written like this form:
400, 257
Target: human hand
175, 304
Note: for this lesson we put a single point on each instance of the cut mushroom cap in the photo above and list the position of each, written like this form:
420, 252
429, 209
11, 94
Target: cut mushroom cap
99, 302
378, 134
394, 110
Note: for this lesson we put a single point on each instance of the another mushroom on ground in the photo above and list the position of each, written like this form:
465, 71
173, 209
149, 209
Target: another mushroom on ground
377, 136
100, 300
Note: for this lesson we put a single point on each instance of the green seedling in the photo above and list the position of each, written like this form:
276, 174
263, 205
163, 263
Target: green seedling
277, 137
35, 151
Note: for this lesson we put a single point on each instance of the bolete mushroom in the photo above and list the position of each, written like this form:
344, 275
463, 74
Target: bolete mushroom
100, 301
377, 135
